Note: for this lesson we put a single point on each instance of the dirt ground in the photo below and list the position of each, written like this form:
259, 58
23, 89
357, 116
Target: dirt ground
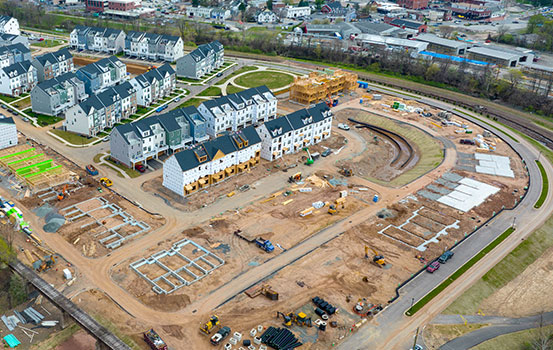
132, 68
79, 341
236, 183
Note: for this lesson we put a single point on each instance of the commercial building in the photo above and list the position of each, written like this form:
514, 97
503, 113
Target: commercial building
212, 162
334, 10
101, 111
8, 132
201, 61
97, 39
409, 26
151, 46
220, 13
54, 96
470, 11
17, 78
501, 58
319, 85
15, 53
154, 84
296, 12
198, 11
372, 42
291, 133
9, 25
102, 74
239, 110
441, 45
151, 137
413, 4
54, 64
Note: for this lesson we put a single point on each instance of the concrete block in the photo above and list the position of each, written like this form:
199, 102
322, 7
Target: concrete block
257, 340
233, 341
260, 328
251, 347
237, 336
228, 346
253, 332
262, 347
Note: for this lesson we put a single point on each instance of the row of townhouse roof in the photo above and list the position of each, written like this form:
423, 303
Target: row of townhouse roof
234, 152
154, 85
10, 39
137, 44
101, 111
9, 25
148, 138
201, 61
53, 64
102, 74
15, 53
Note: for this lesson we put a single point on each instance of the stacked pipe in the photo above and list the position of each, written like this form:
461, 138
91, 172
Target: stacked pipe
323, 305
280, 339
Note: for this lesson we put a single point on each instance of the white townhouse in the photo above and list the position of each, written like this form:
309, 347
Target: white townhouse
9, 25
18, 78
266, 16
296, 12
291, 133
154, 84
198, 11
106, 40
8, 132
151, 46
239, 110
212, 162
56, 95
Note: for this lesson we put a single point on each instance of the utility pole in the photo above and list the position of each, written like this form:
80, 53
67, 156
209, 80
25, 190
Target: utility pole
416, 336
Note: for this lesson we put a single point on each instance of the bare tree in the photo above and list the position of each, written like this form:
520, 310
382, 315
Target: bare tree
446, 31
541, 337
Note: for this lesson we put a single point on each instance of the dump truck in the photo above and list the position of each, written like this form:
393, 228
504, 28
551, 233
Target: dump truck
154, 340
264, 244
90, 169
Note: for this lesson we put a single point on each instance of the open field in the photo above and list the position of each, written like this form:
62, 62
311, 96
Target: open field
211, 91
235, 73
514, 341
273, 80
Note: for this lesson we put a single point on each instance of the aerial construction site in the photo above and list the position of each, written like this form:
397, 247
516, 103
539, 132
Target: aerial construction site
299, 252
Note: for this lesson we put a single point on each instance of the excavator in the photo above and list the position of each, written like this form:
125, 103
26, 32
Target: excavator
209, 325
347, 172
300, 319
295, 178
63, 193
378, 259
339, 204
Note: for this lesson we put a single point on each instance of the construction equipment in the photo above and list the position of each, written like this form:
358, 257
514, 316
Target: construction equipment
310, 159
209, 325
90, 169
106, 182
63, 193
300, 319
264, 244
378, 259
154, 340
340, 203
295, 178
45, 263
347, 172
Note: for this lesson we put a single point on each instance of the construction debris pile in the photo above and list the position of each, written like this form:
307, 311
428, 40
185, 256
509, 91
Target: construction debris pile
320, 85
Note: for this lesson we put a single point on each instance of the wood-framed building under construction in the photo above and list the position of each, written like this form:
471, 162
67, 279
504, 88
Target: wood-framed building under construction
319, 85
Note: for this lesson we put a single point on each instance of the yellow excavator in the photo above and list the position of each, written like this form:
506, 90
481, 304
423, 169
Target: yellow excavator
300, 319
339, 204
378, 259
209, 325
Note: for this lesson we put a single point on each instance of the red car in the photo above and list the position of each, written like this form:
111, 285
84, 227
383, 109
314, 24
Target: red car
433, 267
140, 168
41, 39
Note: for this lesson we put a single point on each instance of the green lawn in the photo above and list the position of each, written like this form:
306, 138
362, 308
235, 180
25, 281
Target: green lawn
434, 292
131, 172
73, 138
273, 80
235, 73
544, 187
42, 119
188, 80
505, 271
513, 341
211, 91
231, 89
48, 43
191, 102
24, 103
8, 99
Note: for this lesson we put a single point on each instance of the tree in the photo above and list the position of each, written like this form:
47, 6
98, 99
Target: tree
195, 3
319, 4
446, 31
303, 3
242, 7
270, 4
17, 292
541, 337
501, 31
515, 76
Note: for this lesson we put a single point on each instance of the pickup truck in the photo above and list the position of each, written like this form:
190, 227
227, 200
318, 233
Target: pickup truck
445, 257
220, 336
433, 267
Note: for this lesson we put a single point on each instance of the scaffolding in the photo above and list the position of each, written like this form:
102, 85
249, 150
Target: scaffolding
32, 167
319, 85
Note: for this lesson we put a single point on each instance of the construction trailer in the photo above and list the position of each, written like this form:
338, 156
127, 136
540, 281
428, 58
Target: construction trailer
320, 85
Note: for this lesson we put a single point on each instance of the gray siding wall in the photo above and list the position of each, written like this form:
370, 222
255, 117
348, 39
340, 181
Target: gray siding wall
186, 67
40, 102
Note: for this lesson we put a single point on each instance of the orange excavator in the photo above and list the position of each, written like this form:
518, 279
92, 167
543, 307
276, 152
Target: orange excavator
63, 193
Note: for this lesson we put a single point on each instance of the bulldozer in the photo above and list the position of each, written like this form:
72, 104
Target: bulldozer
300, 319
378, 259
347, 172
209, 325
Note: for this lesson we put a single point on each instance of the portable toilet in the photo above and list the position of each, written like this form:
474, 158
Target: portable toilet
375, 198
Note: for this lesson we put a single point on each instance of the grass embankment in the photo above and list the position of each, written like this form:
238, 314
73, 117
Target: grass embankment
56, 339
231, 89
131, 172
235, 73
48, 43
273, 80
190, 102
211, 91
518, 340
544, 187
43, 119
433, 293
73, 138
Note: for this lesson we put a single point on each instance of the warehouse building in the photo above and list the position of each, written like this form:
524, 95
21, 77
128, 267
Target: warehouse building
501, 58
441, 45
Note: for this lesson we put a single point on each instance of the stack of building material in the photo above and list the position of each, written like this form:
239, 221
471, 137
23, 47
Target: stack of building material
32, 315
280, 339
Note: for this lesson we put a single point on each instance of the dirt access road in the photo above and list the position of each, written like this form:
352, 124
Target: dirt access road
392, 329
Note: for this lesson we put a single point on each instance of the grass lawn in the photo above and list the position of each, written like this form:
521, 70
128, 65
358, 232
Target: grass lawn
42, 119
211, 91
24, 103
231, 89
73, 138
273, 80
235, 73
48, 43
436, 335
112, 168
8, 99
188, 80
513, 341
131, 172
97, 157
510, 267
191, 102
544, 187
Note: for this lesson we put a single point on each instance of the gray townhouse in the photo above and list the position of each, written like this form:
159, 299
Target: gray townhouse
157, 47
149, 138
10, 39
97, 39
15, 53
101, 111
201, 61
54, 64
154, 84
100, 75
53, 97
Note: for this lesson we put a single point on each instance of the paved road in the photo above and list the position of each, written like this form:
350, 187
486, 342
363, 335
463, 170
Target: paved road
395, 330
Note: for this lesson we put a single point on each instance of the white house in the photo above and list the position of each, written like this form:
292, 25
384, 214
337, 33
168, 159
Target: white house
154, 84
18, 78
266, 16
239, 110
291, 133
97, 39
151, 46
212, 162
9, 25
199, 11
296, 12
8, 132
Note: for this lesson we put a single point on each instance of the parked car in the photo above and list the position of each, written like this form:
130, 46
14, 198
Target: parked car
220, 335
41, 39
4, 106
105, 139
467, 142
140, 168
25, 119
433, 267
219, 74
177, 99
15, 113
343, 126
445, 256
326, 152
418, 347
10, 110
